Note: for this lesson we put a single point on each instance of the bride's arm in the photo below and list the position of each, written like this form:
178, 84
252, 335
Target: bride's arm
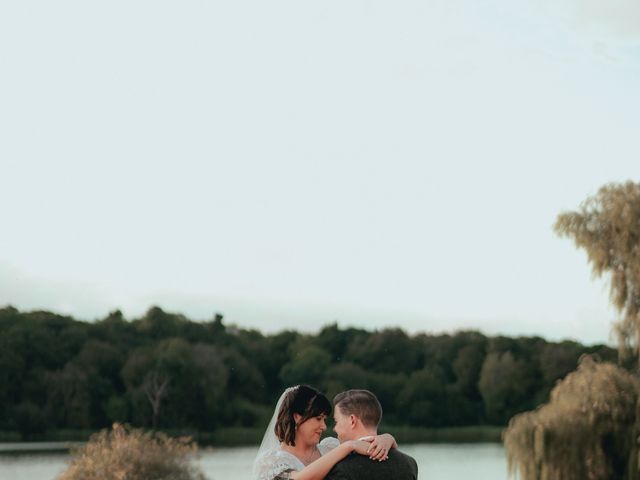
380, 446
319, 468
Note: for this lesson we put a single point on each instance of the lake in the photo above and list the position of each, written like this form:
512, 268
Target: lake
485, 461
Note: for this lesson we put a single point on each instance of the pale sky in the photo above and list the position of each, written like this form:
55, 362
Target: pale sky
291, 164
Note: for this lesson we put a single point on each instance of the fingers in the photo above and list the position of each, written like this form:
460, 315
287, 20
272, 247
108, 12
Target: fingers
380, 457
377, 452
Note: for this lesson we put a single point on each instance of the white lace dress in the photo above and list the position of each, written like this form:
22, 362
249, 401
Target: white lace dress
278, 464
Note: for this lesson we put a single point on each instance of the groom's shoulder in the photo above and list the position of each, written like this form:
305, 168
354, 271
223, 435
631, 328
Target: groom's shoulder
398, 466
407, 461
404, 458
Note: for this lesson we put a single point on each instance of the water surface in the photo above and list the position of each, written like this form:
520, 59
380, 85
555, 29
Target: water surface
435, 461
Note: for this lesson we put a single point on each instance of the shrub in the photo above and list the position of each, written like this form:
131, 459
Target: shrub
131, 454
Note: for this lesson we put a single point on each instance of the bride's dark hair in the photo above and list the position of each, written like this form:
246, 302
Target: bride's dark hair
307, 402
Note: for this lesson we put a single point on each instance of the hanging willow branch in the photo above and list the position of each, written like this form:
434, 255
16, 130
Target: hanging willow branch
587, 431
607, 226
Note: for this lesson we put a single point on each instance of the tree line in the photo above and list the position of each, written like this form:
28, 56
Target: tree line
166, 371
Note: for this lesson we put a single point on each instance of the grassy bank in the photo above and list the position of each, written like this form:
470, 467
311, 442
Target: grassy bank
238, 436
49, 436
403, 434
471, 434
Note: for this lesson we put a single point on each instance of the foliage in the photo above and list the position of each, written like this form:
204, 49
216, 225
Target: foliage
307, 366
29, 419
503, 386
422, 398
130, 454
587, 431
166, 371
607, 227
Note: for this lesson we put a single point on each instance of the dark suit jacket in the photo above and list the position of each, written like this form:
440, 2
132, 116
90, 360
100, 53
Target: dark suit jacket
398, 466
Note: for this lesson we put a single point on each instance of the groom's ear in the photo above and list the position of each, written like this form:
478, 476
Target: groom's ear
353, 420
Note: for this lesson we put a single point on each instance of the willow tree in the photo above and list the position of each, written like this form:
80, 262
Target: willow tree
587, 431
607, 227
589, 428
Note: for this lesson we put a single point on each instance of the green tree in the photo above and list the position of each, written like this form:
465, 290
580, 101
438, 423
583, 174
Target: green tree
158, 324
344, 376
308, 365
464, 399
336, 341
29, 419
438, 350
386, 387
12, 372
140, 363
503, 386
466, 368
279, 347
422, 401
102, 363
211, 377
68, 396
115, 330
388, 351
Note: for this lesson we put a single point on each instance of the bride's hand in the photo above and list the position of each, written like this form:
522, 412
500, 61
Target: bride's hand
379, 446
360, 446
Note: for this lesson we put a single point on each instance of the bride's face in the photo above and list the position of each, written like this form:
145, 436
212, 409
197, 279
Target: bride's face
310, 430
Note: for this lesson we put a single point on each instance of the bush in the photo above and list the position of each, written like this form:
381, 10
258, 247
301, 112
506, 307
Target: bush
131, 454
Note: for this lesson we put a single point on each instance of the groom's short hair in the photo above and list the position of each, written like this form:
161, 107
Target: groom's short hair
361, 403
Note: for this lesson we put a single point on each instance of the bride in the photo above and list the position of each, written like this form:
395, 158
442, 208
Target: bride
291, 447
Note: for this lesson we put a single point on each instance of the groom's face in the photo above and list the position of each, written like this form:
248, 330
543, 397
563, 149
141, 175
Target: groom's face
342, 425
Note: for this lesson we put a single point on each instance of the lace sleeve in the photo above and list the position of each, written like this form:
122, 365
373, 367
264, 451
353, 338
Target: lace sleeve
284, 475
272, 466
328, 444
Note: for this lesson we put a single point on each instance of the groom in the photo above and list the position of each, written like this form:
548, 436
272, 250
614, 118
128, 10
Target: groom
357, 414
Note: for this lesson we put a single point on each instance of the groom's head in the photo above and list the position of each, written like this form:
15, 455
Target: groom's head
357, 413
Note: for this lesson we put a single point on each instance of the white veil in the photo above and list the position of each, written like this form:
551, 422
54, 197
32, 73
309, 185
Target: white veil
270, 442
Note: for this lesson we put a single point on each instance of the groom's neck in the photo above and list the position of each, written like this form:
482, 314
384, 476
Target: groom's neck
364, 432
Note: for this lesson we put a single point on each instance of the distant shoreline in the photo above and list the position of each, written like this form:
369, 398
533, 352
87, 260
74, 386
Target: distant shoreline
65, 440
37, 447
